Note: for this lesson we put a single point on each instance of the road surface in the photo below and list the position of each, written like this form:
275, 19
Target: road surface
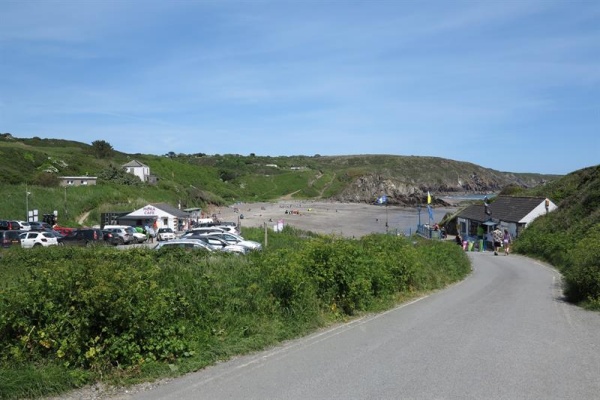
503, 333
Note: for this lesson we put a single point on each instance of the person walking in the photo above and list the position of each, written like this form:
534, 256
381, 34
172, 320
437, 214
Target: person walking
507, 240
498, 237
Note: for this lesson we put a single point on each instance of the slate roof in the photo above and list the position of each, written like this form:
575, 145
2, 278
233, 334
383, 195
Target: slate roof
171, 210
134, 163
504, 208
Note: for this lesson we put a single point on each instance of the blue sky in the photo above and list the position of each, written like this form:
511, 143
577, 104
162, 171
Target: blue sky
508, 85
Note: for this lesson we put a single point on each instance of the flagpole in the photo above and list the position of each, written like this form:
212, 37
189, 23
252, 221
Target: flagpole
386, 217
429, 206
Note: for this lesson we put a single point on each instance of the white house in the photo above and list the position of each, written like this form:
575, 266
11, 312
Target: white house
138, 169
158, 215
512, 213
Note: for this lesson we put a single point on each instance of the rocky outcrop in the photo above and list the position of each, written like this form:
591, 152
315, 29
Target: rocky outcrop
368, 188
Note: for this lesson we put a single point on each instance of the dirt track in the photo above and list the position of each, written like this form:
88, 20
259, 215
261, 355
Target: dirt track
346, 219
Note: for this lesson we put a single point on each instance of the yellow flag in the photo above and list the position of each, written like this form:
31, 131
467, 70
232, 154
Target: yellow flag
428, 198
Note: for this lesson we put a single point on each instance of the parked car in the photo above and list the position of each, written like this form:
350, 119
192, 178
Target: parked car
59, 236
36, 239
40, 226
110, 238
228, 228
9, 225
219, 244
235, 239
122, 235
184, 243
24, 225
165, 234
205, 229
63, 230
10, 238
138, 235
84, 237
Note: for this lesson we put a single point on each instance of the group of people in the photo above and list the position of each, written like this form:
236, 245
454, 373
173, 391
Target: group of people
501, 239
498, 238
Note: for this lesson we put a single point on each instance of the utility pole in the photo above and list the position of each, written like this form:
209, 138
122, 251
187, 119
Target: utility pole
26, 204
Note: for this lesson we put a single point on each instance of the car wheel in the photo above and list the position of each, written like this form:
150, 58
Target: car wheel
37, 244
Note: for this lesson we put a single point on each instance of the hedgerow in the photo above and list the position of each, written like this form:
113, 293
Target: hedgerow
102, 310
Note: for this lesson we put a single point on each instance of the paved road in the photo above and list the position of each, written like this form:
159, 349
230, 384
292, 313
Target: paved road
503, 333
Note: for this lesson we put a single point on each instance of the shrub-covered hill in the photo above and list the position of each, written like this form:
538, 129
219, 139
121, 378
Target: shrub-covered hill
232, 177
569, 238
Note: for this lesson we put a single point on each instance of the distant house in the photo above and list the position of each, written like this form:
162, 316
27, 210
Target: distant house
140, 170
159, 215
77, 180
512, 213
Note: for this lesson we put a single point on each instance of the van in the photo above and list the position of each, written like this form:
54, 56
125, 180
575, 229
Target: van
10, 238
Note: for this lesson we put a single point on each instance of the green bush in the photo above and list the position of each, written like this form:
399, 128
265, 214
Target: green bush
583, 275
91, 312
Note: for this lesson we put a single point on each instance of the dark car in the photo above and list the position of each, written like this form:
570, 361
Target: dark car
9, 225
40, 226
111, 238
10, 238
84, 237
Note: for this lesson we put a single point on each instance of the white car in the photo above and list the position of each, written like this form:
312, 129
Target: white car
36, 239
25, 226
237, 240
138, 237
185, 243
219, 244
165, 234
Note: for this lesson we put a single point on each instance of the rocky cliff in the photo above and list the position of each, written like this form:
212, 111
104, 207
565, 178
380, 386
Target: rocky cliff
405, 192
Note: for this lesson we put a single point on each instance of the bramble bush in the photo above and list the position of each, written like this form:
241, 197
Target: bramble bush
103, 310
582, 276
88, 311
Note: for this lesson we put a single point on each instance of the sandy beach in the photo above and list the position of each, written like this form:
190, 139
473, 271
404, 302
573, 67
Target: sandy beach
345, 219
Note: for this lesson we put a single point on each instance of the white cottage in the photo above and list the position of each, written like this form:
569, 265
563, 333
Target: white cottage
512, 213
158, 215
138, 169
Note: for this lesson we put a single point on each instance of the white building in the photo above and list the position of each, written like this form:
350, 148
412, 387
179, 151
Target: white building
138, 169
511, 213
77, 180
158, 215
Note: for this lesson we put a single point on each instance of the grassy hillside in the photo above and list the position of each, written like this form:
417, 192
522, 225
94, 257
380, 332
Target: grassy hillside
198, 180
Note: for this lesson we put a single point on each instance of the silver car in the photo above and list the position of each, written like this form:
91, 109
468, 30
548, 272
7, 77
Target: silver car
237, 240
184, 243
